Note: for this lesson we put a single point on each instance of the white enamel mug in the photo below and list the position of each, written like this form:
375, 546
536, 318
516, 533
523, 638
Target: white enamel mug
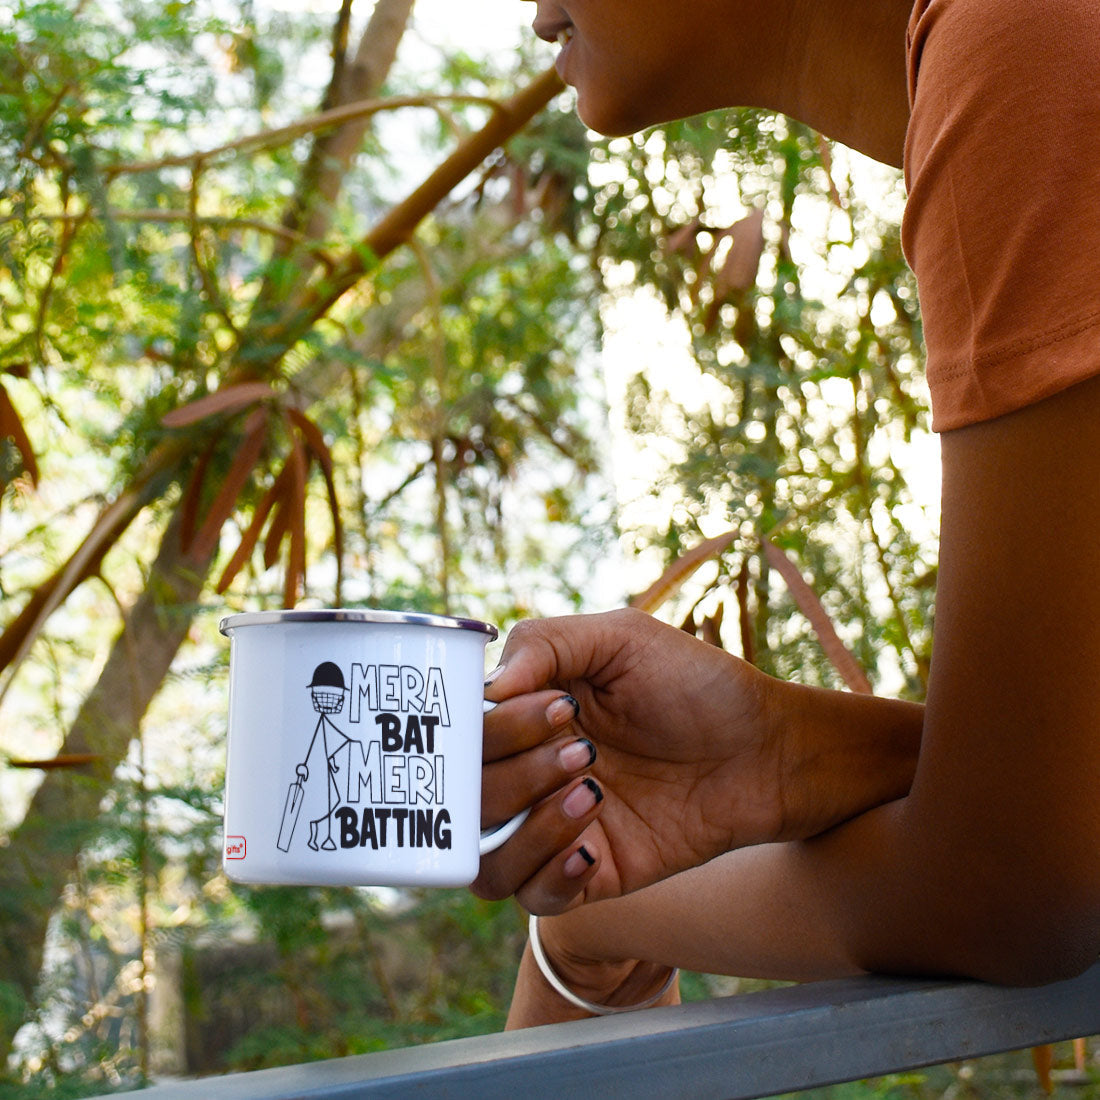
354, 749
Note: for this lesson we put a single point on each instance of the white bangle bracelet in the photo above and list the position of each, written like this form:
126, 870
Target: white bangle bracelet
561, 988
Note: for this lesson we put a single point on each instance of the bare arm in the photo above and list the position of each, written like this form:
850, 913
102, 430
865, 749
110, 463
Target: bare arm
989, 866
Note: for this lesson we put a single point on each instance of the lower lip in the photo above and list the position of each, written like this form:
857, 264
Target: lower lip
560, 60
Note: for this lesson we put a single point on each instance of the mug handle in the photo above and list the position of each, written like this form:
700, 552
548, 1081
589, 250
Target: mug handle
492, 839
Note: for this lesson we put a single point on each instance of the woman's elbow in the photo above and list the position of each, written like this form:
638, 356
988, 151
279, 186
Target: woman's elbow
1008, 932
1059, 946
1031, 937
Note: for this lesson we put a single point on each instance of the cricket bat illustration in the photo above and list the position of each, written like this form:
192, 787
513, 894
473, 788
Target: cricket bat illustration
291, 810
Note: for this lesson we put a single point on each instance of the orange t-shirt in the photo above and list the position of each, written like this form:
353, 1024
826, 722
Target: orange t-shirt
1002, 224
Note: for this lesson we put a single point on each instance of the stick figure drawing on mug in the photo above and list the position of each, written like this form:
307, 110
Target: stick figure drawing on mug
329, 691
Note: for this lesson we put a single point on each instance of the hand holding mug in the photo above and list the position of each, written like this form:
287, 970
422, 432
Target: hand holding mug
686, 763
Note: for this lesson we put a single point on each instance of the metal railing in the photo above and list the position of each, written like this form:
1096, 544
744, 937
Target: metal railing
732, 1048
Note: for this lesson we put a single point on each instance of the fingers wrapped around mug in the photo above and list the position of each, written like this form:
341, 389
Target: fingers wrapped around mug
531, 749
535, 758
550, 860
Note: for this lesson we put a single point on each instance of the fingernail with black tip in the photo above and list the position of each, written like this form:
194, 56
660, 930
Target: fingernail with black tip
577, 755
578, 863
562, 710
582, 799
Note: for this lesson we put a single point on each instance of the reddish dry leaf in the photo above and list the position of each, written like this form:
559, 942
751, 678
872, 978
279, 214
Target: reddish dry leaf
711, 627
244, 462
313, 437
11, 427
66, 760
684, 238
294, 581
230, 399
826, 155
1043, 1059
810, 606
738, 271
192, 498
280, 519
251, 536
674, 576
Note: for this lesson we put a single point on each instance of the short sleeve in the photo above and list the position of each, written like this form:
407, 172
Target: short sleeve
1002, 223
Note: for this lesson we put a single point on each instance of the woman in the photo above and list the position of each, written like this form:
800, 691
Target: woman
693, 811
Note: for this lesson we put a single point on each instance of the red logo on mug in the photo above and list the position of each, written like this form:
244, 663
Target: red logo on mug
235, 847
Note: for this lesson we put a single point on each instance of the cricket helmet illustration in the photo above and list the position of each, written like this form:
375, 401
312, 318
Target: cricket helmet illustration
328, 688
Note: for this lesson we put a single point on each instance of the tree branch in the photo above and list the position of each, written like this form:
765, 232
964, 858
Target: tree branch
298, 316
282, 135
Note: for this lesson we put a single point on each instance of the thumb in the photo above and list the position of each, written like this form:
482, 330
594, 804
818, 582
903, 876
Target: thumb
541, 653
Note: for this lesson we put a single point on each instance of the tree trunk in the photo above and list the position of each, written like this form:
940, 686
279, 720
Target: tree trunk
332, 154
309, 212
62, 819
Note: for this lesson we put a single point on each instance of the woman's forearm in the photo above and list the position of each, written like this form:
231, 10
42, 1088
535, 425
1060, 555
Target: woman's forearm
840, 753
747, 913
866, 896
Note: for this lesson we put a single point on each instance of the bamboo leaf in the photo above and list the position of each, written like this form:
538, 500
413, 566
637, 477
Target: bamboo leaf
248, 454
251, 536
678, 572
11, 427
315, 440
294, 581
810, 606
192, 497
229, 399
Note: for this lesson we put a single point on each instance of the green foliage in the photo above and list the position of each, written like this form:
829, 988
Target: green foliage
445, 384
806, 395
1006, 1076
13, 1005
348, 973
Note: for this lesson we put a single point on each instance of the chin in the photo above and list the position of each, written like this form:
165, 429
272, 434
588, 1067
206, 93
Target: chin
605, 119
621, 116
